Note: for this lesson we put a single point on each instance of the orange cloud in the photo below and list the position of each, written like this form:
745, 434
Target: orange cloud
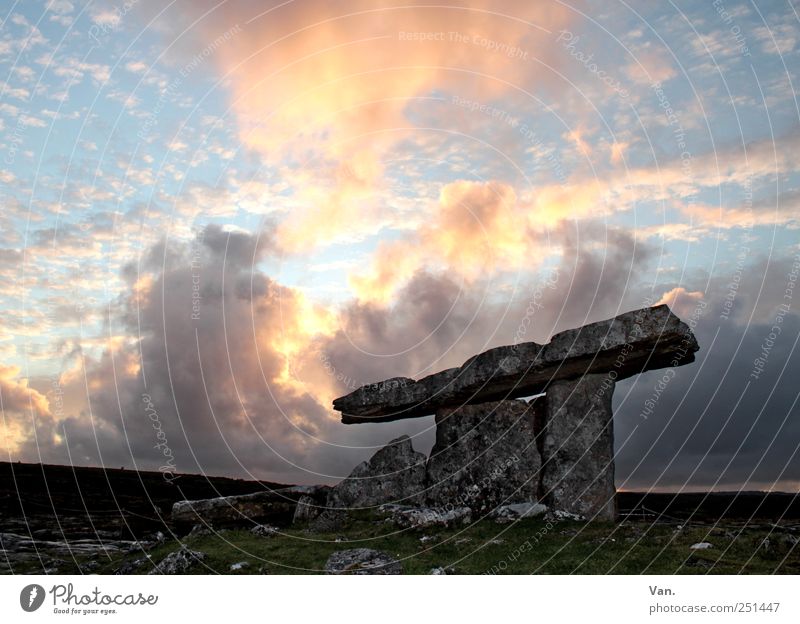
681, 301
325, 86
474, 229
20, 405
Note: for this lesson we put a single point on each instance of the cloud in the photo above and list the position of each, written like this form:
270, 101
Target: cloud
327, 89
474, 229
21, 407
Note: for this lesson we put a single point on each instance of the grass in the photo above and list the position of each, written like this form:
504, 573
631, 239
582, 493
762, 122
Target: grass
528, 546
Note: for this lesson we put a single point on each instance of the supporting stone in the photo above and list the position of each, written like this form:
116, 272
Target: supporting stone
578, 448
485, 455
395, 474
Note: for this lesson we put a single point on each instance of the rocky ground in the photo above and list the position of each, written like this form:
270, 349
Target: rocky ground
538, 545
74, 526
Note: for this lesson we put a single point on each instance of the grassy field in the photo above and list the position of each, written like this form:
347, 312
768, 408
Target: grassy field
529, 546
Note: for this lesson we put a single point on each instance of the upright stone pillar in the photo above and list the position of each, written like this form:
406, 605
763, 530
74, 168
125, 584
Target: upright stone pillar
578, 448
485, 455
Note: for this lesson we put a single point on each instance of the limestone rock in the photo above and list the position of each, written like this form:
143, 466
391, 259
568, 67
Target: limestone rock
578, 448
701, 546
307, 509
178, 562
242, 510
517, 511
395, 474
362, 561
628, 344
442, 571
424, 517
264, 530
559, 515
485, 455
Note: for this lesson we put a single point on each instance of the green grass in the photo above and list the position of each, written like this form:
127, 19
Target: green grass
528, 546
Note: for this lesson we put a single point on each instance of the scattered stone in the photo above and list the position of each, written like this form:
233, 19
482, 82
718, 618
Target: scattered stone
199, 530
485, 455
578, 449
362, 561
443, 571
628, 344
132, 567
429, 539
424, 517
559, 515
517, 511
701, 546
179, 561
264, 530
395, 474
241, 565
496, 541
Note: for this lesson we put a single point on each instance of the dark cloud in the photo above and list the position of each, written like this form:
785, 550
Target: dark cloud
716, 424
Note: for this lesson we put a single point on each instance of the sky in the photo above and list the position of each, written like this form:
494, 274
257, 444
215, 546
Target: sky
216, 217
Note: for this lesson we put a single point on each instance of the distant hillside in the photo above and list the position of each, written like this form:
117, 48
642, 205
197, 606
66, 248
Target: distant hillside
111, 498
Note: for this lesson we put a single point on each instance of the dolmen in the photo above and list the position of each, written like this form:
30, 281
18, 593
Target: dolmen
519, 429
519, 424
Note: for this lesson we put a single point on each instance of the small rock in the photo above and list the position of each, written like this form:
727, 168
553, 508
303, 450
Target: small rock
264, 530
442, 571
130, 567
516, 511
559, 515
199, 530
429, 539
462, 540
701, 546
178, 562
239, 566
362, 561
424, 517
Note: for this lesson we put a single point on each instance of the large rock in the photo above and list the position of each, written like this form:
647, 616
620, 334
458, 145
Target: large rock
485, 455
269, 505
307, 510
362, 561
627, 345
578, 448
395, 474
